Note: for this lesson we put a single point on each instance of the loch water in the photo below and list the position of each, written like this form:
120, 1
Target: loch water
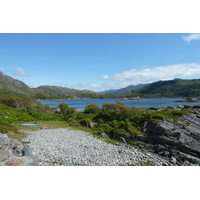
145, 103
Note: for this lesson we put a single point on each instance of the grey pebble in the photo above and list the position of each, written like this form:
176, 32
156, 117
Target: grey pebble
78, 148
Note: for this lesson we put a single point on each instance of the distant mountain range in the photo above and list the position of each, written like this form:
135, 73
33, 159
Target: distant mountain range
67, 93
11, 86
171, 88
122, 90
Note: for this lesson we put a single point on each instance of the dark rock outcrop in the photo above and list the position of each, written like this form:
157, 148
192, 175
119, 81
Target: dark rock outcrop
180, 140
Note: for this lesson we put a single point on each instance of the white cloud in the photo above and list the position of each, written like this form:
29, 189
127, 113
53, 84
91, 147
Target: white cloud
157, 73
194, 36
86, 86
100, 87
20, 72
104, 76
2, 69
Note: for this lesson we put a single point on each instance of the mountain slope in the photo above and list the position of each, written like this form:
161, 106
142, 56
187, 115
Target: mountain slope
172, 88
122, 90
63, 92
11, 86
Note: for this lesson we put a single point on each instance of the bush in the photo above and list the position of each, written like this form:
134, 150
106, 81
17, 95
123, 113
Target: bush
118, 111
24, 117
17, 102
63, 108
92, 108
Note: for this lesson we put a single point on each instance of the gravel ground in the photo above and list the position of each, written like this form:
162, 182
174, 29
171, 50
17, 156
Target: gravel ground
77, 148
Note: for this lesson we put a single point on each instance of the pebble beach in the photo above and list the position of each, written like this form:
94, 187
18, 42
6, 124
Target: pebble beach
65, 147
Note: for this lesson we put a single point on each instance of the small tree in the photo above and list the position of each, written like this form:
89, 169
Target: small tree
64, 108
118, 111
92, 108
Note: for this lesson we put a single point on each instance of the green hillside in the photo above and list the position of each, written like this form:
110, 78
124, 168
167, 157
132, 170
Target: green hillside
11, 86
172, 88
122, 90
67, 93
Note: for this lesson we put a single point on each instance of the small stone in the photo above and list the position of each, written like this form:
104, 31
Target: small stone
164, 164
166, 153
42, 128
123, 139
173, 160
103, 134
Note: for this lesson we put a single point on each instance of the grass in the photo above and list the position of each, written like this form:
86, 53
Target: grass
80, 128
16, 131
137, 131
169, 114
19, 135
47, 124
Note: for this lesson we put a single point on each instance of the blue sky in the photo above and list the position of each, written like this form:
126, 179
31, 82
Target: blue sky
99, 61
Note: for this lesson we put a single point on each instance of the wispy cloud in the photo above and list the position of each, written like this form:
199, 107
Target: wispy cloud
2, 69
91, 86
99, 87
135, 76
20, 72
157, 73
189, 38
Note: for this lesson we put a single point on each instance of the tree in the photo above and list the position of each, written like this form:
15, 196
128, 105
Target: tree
64, 108
118, 111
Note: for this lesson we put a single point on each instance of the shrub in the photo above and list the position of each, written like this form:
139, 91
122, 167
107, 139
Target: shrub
17, 102
92, 108
118, 111
64, 108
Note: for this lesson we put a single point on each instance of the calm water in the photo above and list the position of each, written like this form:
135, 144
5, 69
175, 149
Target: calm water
81, 103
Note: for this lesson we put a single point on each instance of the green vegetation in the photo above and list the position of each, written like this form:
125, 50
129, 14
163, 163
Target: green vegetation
15, 110
11, 86
114, 120
56, 92
168, 113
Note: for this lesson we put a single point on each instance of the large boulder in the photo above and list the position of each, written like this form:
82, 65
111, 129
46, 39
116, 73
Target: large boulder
14, 153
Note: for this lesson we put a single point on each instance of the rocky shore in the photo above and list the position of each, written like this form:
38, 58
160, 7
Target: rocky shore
177, 140
166, 142
189, 99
